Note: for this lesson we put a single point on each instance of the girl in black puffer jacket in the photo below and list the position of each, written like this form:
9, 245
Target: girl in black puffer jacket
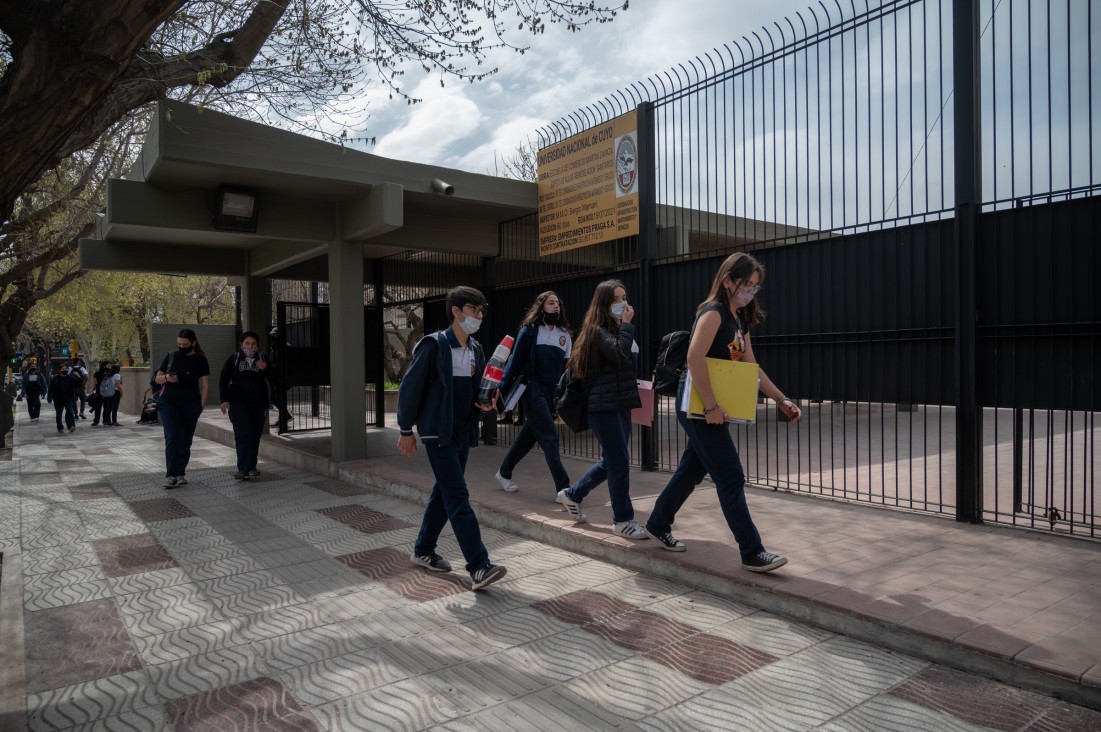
604, 357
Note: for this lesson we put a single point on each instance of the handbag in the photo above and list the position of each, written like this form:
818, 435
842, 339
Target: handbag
570, 403
95, 399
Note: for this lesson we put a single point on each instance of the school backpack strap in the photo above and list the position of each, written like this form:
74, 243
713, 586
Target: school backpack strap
671, 362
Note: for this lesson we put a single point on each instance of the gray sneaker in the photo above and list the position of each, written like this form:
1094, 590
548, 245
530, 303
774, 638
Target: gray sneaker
180, 480
764, 562
573, 508
254, 473
487, 575
170, 482
433, 562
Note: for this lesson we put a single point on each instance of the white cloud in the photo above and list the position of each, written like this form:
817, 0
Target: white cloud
431, 127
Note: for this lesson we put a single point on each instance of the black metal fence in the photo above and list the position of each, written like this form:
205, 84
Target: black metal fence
920, 180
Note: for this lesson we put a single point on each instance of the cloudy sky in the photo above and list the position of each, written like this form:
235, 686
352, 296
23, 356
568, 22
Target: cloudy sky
465, 125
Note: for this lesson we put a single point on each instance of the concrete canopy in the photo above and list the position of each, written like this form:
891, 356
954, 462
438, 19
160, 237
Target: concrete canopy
322, 209
158, 219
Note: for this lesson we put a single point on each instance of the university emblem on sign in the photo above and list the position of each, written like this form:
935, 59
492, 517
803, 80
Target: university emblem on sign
625, 164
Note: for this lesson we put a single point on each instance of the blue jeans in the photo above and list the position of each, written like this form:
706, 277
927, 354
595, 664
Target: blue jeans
65, 408
613, 431
538, 427
179, 419
248, 428
450, 501
711, 451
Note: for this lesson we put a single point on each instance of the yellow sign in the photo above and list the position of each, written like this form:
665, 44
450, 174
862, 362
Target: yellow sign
588, 187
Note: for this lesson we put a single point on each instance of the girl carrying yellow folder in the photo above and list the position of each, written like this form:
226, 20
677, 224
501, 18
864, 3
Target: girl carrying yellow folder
721, 330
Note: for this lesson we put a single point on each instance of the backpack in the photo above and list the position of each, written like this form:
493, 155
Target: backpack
570, 402
671, 362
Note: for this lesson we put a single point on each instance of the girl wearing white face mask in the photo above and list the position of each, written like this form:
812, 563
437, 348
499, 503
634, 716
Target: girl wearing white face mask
721, 330
604, 357
243, 393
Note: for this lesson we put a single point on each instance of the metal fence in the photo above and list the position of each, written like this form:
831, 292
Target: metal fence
920, 179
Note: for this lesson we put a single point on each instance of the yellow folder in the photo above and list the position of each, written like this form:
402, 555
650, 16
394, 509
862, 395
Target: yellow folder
735, 384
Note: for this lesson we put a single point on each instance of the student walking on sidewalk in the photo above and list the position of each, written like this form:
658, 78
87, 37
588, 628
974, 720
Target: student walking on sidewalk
604, 358
243, 393
721, 330
438, 395
539, 357
62, 394
110, 388
33, 390
185, 375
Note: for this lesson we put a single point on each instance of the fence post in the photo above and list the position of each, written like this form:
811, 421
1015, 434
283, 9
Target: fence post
379, 374
647, 233
967, 141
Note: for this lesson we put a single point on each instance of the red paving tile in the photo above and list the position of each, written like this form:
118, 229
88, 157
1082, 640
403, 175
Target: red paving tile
337, 487
364, 519
91, 491
258, 704
74, 643
1060, 656
997, 640
393, 569
940, 625
132, 555
160, 509
970, 698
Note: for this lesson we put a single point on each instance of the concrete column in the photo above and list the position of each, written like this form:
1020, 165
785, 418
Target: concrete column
254, 310
349, 408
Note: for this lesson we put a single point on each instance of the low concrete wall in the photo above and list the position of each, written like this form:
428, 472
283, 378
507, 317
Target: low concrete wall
135, 380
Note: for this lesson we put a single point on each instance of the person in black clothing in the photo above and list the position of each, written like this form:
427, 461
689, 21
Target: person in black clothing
185, 375
79, 372
721, 330
33, 383
243, 393
96, 401
275, 362
62, 394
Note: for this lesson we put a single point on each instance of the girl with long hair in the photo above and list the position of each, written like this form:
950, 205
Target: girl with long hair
243, 394
721, 330
604, 358
543, 344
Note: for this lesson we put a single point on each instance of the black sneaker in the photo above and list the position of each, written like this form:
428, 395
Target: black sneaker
238, 475
487, 575
254, 473
433, 562
668, 541
764, 562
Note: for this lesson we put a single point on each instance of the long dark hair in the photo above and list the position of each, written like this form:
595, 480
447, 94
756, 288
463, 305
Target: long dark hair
190, 335
739, 267
535, 312
597, 318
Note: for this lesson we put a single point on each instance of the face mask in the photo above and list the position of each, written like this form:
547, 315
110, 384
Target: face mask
249, 352
617, 309
471, 325
551, 318
742, 298
187, 350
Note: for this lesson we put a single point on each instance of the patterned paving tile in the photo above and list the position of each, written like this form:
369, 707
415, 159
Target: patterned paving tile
196, 674
257, 704
970, 698
341, 676
583, 606
364, 519
65, 464
160, 509
338, 487
186, 642
69, 594
92, 491
132, 555
126, 698
76, 643
41, 478
393, 568
405, 705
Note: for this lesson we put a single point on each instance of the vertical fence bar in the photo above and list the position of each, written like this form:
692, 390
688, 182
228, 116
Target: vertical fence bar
647, 244
968, 150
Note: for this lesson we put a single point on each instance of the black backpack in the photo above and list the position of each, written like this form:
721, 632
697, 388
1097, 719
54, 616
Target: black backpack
672, 361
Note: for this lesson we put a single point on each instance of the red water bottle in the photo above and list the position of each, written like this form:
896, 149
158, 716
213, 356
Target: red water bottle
495, 371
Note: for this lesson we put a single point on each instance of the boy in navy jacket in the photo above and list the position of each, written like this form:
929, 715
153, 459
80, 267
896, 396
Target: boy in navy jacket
438, 394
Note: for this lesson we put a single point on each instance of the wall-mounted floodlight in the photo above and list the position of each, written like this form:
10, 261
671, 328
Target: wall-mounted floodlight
235, 209
440, 187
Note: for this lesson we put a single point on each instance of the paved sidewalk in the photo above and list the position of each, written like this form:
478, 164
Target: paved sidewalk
288, 603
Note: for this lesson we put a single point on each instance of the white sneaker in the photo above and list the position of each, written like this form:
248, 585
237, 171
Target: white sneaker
630, 529
506, 483
573, 508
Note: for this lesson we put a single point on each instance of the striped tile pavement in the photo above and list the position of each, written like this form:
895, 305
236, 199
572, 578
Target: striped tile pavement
289, 603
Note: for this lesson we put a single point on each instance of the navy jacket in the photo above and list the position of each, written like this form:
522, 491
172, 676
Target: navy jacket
610, 383
543, 364
62, 389
425, 398
239, 383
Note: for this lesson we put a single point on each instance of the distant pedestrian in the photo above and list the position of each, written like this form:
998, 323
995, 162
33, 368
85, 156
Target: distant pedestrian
438, 394
110, 388
277, 361
185, 375
62, 394
79, 371
604, 358
539, 357
95, 399
721, 330
243, 393
33, 388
